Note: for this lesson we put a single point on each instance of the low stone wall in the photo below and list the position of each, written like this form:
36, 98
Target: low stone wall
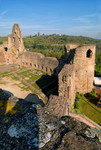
38, 61
86, 120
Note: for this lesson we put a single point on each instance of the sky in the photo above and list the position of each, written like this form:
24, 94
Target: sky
70, 17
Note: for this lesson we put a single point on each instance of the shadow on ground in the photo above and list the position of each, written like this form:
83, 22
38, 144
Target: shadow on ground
48, 84
34, 99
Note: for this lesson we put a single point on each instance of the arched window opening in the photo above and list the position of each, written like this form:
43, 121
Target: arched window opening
6, 49
46, 69
50, 70
19, 40
89, 54
13, 39
30, 64
64, 79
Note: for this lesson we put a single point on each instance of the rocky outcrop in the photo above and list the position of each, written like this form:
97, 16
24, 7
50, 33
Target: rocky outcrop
27, 126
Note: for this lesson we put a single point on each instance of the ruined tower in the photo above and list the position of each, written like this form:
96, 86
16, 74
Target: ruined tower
76, 75
15, 41
84, 62
14, 47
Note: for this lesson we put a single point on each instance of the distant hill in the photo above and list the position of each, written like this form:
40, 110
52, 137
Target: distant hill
3, 39
44, 41
31, 41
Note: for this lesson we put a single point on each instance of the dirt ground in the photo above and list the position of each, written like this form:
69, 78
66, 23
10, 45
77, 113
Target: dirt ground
5, 68
11, 85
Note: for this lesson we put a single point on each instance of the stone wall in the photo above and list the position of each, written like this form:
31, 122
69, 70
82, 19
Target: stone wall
38, 61
2, 55
67, 84
69, 47
57, 105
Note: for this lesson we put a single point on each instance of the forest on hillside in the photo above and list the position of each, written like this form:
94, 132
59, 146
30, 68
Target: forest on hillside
53, 45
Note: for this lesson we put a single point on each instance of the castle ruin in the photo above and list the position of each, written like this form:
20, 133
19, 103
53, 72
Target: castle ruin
75, 70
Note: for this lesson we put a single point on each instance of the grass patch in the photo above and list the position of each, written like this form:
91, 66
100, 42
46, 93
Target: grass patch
23, 73
23, 86
14, 78
36, 86
88, 108
31, 76
4, 74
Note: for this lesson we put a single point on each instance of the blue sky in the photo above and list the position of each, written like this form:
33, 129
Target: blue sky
71, 17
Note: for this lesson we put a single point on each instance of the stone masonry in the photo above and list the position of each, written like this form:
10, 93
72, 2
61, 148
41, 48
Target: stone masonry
75, 70
15, 41
76, 75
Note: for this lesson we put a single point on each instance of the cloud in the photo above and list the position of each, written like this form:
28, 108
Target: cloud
4, 12
45, 27
88, 19
89, 31
32, 27
86, 25
7, 24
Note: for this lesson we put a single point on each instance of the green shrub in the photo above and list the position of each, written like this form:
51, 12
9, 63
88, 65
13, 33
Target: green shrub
76, 105
78, 98
93, 93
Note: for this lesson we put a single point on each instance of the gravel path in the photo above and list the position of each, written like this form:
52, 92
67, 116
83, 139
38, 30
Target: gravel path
11, 85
